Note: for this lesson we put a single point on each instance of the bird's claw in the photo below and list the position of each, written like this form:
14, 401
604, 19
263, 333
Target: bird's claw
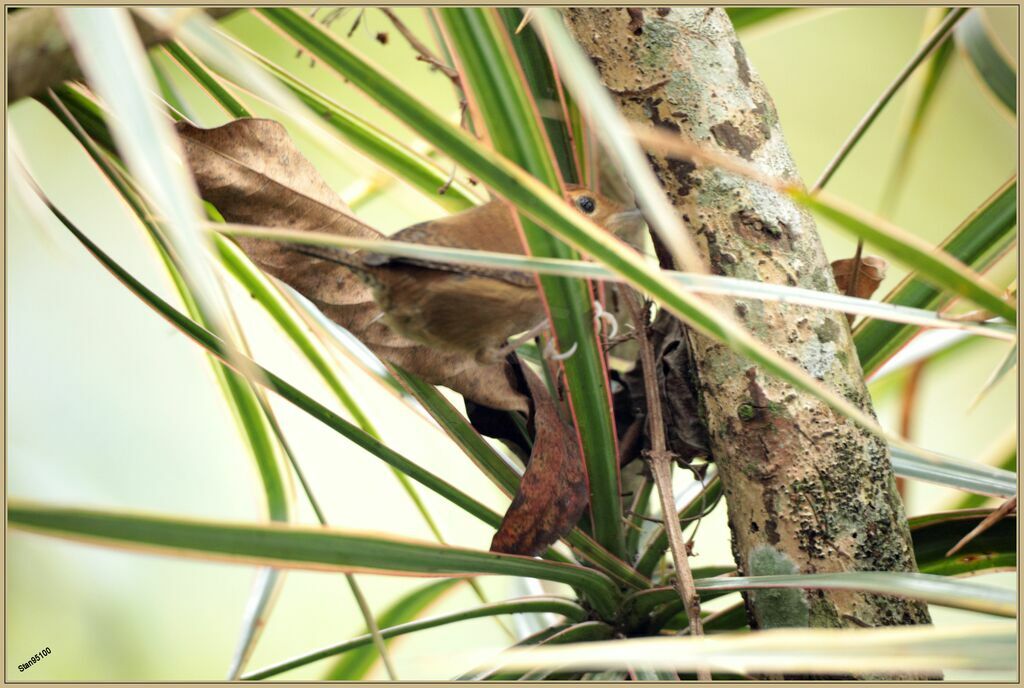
601, 314
551, 354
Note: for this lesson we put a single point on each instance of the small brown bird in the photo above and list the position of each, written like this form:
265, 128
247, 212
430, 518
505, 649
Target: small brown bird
468, 308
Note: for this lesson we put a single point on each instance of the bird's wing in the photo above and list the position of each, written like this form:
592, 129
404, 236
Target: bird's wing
485, 228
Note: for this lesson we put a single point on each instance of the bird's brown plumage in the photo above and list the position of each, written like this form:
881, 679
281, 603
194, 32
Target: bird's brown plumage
466, 308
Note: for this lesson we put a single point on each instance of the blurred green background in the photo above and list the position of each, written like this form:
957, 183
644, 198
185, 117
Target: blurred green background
109, 407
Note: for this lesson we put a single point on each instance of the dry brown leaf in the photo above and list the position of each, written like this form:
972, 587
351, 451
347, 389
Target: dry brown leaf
553, 492
253, 173
872, 272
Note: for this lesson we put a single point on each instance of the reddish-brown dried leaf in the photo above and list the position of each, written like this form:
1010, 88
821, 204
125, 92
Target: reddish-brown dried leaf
253, 173
872, 272
553, 492
869, 275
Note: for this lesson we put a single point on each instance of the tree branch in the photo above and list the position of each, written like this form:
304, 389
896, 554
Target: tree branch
807, 490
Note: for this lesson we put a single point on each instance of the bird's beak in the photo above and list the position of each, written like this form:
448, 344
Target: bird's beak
626, 221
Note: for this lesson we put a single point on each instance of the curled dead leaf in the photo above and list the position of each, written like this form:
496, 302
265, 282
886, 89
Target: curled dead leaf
872, 272
869, 276
553, 492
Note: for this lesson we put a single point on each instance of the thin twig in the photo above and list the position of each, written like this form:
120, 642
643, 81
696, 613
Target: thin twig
934, 41
661, 468
1010, 505
929, 46
425, 54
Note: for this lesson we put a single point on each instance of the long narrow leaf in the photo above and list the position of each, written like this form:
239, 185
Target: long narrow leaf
988, 59
922, 89
113, 59
993, 550
699, 284
490, 70
937, 38
933, 264
358, 662
523, 605
975, 243
970, 477
391, 154
989, 647
1003, 455
939, 590
298, 547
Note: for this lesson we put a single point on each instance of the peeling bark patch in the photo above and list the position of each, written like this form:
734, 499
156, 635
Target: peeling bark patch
728, 136
663, 11
742, 66
752, 227
636, 20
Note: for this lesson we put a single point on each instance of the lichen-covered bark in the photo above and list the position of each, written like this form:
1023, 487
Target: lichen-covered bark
807, 490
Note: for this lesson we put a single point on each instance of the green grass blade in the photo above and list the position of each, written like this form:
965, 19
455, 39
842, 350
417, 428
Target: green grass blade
544, 88
939, 590
299, 547
86, 111
508, 113
988, 59
168, 89
975, 243
264, 591
1003, 455
970, 477
937, 38
414, 169
935, 534
206, 80
935, 265
698, 284
555, 605
112, 57
487, 459
585, 632
358, 662
217, 346
922, 89
550, 210
1008, 363
983, 647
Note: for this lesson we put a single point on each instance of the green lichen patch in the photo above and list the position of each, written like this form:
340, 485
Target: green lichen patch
780, 608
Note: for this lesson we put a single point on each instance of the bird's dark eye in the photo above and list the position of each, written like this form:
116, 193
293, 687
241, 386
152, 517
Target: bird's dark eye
586, 204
